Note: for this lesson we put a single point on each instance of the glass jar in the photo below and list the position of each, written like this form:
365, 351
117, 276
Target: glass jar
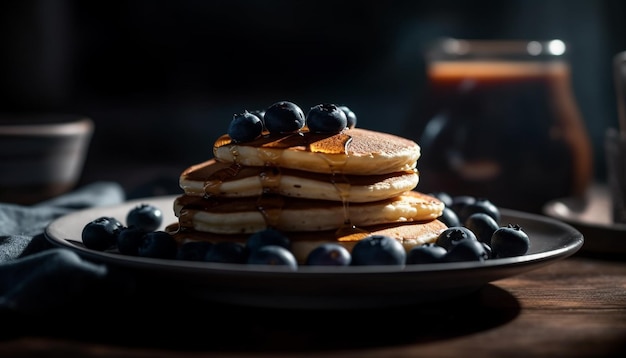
501, 122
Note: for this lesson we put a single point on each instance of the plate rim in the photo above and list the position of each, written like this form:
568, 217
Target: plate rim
133, 261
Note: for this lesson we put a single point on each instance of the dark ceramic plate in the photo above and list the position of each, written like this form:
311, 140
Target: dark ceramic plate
322, 287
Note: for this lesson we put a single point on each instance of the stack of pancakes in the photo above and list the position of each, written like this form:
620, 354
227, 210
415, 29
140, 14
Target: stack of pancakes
313, 187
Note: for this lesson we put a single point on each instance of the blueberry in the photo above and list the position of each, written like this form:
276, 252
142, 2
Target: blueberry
144, 217
425, 254
329, 254
451, 236
509, 241
350, 116
193, 250
158, 244
480, 205
482, 225
460, 201
259, 113
326, 118
284, 117
267, 237
273, 255
443, 197
245, 127
378, 250
101, 233
129, 240
488, 250
467, 250
449, 217
227, 252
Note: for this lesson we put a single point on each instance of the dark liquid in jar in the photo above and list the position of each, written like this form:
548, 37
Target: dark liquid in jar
508, 132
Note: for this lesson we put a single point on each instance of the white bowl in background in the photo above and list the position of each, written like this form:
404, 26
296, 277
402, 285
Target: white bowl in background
41, 155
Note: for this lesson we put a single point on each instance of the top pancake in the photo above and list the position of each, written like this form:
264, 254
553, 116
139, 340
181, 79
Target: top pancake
353, 151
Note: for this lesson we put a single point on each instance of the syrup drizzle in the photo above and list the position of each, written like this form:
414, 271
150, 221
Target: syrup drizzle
213, 184
270, 204
347, 231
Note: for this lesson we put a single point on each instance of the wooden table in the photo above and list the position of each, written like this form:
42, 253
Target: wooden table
575, 307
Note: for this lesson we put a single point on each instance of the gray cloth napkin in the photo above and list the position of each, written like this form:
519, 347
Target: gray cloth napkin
34, 275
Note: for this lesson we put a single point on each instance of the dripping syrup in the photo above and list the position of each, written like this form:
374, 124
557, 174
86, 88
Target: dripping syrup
269, 204
213, 184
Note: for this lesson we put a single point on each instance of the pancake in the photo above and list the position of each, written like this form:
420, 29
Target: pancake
354, 151
231, 180
408, 234
249, 215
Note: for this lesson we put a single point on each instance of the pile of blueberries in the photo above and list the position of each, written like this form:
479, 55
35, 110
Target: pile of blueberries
288, 117
473, 234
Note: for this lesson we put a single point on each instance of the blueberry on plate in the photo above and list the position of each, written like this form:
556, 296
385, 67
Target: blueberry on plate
453, 235
482, 225
273, 255
158, 244
425, 254
350, 116
509, 241
267, 237
480, 205
245, 127
193, 250
449, 217
329, 254
284, 117
129, 240
467, 250
459, 202
488, 250
443, 197
144, 217
101, 233
228, 252
326, 118
378, 250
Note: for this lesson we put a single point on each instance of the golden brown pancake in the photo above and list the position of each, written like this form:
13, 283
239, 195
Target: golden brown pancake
213, 178
313, 187
408, 234
353, 151
252, 214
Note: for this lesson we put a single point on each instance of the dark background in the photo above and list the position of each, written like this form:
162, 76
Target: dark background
162, 79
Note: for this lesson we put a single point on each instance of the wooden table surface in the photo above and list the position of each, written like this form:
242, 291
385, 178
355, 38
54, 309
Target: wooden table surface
575, 307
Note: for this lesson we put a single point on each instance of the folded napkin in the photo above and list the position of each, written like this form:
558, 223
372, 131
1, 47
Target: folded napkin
35, 276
